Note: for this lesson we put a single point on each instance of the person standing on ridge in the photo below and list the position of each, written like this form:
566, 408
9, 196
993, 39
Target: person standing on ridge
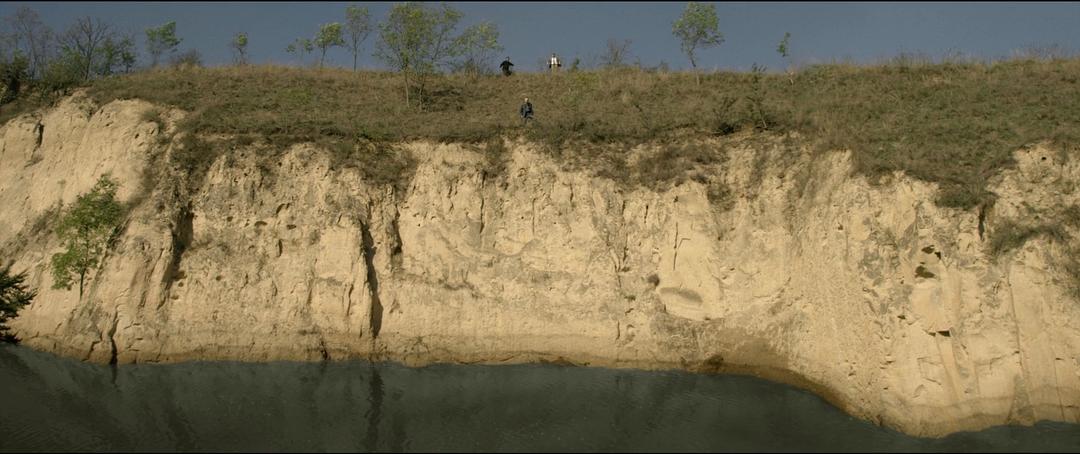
526, 112
506, 67
554, 63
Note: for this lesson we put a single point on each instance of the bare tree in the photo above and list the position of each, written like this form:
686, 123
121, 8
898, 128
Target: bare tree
85, 39
30, 36
617, 53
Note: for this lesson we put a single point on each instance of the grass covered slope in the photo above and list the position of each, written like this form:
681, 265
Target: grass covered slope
952, 124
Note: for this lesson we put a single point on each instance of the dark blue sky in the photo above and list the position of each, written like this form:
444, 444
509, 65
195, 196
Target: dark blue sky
862, 32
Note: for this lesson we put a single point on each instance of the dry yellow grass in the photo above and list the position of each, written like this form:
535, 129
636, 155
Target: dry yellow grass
955, 124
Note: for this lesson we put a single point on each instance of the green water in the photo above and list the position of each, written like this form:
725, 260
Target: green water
51, 403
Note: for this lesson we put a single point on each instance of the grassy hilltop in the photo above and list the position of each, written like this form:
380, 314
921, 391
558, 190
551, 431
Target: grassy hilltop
955, 124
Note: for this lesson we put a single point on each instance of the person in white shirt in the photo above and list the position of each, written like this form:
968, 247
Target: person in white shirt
554, 63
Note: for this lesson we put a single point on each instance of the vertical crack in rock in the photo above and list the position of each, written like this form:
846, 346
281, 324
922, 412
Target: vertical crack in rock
483, 178
322, 348
39, 133
112, 338
395, 247
982, 221
348, 301
625, 249
675, 257
182, 236
534, 217
372, 279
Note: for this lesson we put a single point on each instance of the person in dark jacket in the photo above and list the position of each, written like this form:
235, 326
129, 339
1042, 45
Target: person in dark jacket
506, 67
526, 112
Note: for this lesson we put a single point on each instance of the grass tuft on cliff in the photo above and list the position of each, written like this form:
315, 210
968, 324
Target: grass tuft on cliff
951, 123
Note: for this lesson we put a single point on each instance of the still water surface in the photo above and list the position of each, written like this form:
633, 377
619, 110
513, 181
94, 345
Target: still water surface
51, 403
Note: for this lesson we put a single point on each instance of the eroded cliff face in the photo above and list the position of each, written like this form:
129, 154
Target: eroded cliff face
869, 294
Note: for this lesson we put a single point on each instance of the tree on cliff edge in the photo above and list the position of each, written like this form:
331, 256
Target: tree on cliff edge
415, 40
160, 40
697, 29
13, 296
86, 229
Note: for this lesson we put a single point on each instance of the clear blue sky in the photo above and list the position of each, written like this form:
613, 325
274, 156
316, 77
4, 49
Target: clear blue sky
862, 32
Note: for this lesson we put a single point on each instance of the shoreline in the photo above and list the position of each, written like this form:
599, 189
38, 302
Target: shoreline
708, 368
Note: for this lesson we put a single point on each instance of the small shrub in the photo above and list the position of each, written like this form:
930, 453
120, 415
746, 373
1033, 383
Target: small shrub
187, 59
153, 115
61, 76
86, 229
14, 294
379, 163
496, 156
193, 156
13, 75
1010, 235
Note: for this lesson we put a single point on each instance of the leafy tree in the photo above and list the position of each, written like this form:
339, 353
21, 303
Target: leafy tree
84, 39
478, 45
756, 97
698, 28
329, 36
13, 296
160, 40
300, 47
117, 55
61, 75
239, 46
358, 25
782, 49
415, 40
85, 229
13, 73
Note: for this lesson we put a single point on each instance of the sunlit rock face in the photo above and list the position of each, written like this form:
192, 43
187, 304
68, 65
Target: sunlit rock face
869, 293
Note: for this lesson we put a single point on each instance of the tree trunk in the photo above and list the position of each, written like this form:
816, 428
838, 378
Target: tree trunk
82, 279
406, 74
420, 94
354, 61
693, 64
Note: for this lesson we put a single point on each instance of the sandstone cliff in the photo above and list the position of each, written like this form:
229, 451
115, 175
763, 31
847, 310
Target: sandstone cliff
887, 305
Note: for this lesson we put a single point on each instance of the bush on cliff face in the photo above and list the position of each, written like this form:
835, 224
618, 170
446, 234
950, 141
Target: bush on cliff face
13, 296
86, 228
13, 75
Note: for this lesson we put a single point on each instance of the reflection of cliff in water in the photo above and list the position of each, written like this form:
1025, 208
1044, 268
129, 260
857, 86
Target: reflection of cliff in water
59, 404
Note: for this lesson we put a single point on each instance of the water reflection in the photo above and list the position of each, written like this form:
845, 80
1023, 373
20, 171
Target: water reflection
49, 403
375, 411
